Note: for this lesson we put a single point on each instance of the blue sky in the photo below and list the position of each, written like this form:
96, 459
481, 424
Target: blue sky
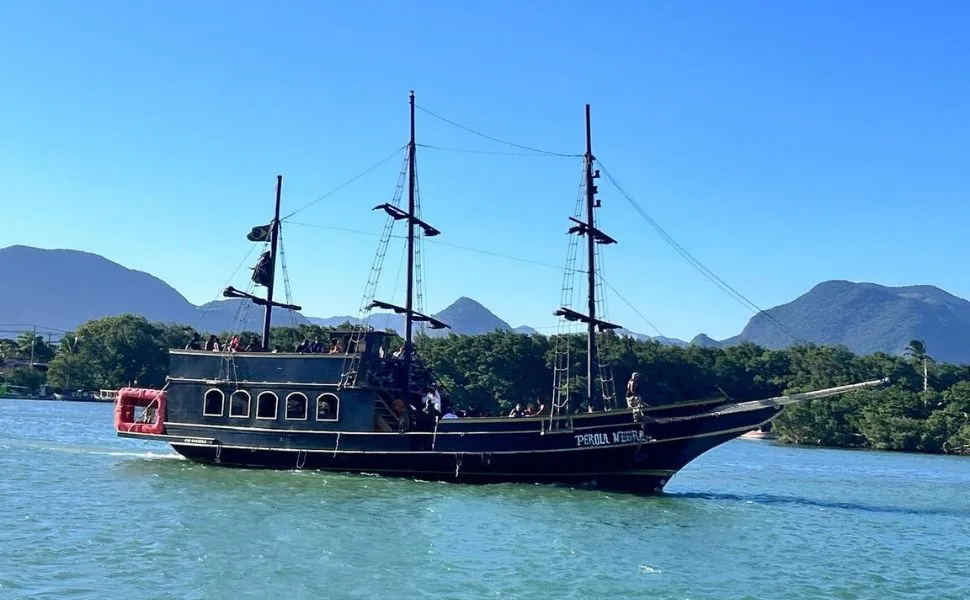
782, 144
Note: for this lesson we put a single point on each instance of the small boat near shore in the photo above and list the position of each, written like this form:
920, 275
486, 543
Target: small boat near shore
75, 396
757, 434
362, 408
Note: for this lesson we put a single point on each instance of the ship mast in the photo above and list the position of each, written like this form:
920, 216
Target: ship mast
411, 316
409, 302
591, 271
264, 273
593, 236
273, 241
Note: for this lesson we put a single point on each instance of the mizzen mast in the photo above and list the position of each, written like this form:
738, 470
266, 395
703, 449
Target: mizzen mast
593, 236
273, 242
264, 273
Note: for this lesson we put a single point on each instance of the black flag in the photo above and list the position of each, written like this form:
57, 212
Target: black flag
259, 234
263, 271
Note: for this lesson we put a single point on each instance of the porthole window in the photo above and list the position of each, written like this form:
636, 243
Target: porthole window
239, 404
266, 405
296, 407
212, 406
328, 406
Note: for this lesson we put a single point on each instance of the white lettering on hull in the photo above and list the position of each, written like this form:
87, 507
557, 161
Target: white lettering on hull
606, 439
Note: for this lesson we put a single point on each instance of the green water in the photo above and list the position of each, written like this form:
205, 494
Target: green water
84, 514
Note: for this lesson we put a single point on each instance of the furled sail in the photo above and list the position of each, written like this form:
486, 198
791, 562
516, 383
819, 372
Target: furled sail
263, 271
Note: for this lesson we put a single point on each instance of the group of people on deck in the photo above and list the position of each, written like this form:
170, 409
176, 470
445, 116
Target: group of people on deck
424, 417
234, 343
530, 410
214, 344
434, 406
337, 346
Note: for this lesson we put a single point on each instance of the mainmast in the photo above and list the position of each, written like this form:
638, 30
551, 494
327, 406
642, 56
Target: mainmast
409, 303
593, 236
410, 315
264, 273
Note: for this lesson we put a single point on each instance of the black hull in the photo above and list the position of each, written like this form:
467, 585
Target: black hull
291, 411
474, 469
606, 451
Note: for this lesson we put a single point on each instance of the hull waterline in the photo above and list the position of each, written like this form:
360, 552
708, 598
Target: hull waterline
615, 454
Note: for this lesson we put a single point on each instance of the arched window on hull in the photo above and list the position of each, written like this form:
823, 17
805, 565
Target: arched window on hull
239, 404
266, 405
213, 403
296, 407
328, 407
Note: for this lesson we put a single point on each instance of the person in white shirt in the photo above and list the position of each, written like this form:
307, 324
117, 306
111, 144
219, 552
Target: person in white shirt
432, 401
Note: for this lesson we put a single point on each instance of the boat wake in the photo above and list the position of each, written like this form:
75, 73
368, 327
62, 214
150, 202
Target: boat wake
145, 454
95, 450
773, 499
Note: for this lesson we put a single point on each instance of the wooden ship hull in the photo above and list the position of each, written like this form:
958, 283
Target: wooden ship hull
256, 422
360, 409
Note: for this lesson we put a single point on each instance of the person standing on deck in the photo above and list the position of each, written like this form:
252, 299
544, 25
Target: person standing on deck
633, 391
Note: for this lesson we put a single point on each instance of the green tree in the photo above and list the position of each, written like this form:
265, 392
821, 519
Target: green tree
72, 369
916, 349
27, 377
8, 350
30, 345
114, 352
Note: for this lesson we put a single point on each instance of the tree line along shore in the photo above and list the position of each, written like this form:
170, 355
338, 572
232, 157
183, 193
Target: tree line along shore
925, 408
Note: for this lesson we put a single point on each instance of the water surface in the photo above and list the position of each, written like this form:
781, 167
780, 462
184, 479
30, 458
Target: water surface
85, 514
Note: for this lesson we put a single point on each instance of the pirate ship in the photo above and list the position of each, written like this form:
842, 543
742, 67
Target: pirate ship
359, 408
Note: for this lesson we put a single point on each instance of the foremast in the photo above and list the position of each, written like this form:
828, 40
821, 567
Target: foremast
593, 236
264, 273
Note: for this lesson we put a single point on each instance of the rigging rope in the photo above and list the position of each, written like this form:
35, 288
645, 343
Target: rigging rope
710, 275
397, 279
226, 284
438, 243
420, 284
286, 281
495, 139
346, 183
489, 152
634, 309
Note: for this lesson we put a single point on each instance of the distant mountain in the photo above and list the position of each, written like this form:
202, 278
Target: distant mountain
641, 337
464, 315
332, 321
704, 341
866, 318
232, 313
60, 289
467, 317
64, 288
